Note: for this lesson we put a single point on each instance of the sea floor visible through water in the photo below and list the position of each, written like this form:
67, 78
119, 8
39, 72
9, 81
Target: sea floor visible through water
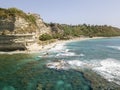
93, 65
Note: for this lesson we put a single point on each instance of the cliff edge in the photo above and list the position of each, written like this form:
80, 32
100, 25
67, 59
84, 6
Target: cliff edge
19, 29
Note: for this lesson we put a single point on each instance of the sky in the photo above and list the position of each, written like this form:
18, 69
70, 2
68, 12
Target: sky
92, 12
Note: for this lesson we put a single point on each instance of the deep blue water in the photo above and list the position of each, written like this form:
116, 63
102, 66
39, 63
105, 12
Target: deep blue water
26, 71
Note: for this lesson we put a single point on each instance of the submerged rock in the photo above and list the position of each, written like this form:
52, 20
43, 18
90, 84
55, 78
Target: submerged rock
65, 65
59, 64
39, 87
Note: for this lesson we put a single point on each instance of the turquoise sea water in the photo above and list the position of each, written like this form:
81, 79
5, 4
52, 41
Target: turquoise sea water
29, 71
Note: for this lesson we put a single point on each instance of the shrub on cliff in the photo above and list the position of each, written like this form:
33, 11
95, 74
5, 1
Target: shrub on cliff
31, 18
12, 12
45, 37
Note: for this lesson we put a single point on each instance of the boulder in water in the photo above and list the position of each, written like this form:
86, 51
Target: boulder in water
59, 64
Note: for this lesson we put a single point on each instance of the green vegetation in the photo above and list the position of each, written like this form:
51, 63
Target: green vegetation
45, 37
7, 13
12, 12
8, 18
64, 31
70, 31
31, 18
90, 30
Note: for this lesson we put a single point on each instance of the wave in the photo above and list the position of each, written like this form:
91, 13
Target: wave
81, 55
69, 64
58, 48
69, 54
109, 69
65, 65
114, 47
66, 54
75, 64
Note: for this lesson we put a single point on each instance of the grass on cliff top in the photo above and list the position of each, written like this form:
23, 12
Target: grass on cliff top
13, 12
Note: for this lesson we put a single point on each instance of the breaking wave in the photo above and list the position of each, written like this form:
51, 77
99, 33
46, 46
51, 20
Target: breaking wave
109, 69
58, 48
114, 47
66, 54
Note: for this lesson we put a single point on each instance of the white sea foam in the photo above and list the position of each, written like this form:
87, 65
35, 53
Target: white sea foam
114, 47
66, 54
81, 55
70, 64
65, 65
66, 50
109, 69
75, 63
58, 48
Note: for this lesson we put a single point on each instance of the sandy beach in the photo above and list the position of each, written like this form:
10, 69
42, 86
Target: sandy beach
35, 48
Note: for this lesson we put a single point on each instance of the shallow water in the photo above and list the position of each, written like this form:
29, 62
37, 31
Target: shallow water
26, 72
101, 55
29, 71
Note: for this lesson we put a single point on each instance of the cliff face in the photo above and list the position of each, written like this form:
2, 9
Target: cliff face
7, 24
19, 29
23, 26
15, 21
41, 27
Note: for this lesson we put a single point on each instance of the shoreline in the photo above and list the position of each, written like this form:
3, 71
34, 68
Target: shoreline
36, 48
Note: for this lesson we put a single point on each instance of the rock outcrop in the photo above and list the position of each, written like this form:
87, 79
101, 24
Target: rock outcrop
19, 29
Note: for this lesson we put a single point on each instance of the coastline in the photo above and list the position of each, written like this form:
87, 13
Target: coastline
36, 48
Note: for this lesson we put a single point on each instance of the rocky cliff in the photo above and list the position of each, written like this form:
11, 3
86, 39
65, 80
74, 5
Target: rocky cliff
15, 21
19, 29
